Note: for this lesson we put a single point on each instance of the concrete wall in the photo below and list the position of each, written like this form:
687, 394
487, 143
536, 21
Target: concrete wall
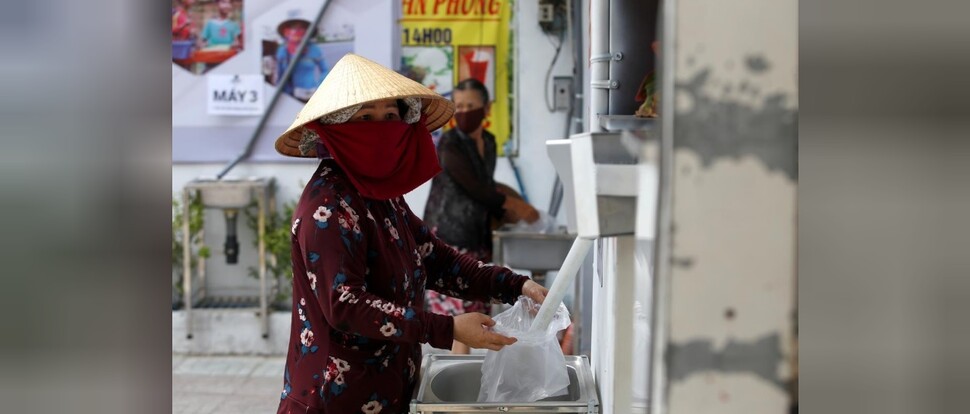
731, 265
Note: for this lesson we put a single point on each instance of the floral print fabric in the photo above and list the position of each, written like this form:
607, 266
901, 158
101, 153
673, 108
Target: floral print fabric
360, 270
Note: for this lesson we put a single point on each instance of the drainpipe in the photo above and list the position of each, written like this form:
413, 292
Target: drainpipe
276, 95
599, 62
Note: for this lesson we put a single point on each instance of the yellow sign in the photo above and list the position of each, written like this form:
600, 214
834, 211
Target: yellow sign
446, 41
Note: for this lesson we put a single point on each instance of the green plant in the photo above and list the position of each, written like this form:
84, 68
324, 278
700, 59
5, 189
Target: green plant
196, 238
278, 244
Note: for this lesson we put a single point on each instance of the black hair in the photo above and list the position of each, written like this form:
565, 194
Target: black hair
476, 85
402, 108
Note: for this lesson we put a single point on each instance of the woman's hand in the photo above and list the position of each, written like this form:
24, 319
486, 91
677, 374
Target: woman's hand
529, 213
470, 330
517, 210
534, 291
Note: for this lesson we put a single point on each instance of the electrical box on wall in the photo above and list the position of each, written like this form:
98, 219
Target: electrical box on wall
562, 92
546, 13
552, 15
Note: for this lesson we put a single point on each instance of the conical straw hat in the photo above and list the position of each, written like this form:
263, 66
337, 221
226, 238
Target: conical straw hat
357, 80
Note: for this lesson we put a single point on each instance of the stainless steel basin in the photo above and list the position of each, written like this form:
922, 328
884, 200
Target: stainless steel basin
450, 384
531, 251
228, 193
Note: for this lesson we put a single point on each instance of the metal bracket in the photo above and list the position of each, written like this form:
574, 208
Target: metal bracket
605, 84
618, 56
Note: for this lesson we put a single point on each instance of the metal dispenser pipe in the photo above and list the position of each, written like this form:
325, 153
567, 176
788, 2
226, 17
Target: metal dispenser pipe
562, 284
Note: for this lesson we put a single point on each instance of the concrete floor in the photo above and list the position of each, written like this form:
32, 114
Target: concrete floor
204, 384
226, 384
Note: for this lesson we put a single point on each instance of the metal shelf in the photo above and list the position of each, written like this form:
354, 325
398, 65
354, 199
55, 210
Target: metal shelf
616, 123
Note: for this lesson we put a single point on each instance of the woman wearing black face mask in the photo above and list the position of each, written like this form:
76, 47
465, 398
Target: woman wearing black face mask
464, 196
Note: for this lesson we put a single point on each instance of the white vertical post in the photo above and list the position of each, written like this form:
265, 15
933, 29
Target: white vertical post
623, 287
603, 334
201, 265
261, 234
186, 264
660, 308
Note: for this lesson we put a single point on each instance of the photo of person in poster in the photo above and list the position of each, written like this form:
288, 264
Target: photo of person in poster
323, 49
220, 31
310, 69
205, 33
181, 21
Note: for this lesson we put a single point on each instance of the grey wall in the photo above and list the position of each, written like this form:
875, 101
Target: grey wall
731, 266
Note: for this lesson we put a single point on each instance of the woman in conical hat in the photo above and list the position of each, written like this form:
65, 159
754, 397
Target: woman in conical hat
362, 259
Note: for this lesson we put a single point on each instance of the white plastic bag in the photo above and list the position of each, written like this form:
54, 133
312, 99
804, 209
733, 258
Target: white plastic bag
532, 368
545, 224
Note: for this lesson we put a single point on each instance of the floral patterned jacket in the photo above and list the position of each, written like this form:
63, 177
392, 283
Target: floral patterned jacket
360, 267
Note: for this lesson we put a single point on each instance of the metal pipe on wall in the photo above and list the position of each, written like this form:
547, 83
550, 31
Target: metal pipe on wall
599, 62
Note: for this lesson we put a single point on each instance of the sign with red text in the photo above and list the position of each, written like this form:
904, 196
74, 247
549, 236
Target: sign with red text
446, 41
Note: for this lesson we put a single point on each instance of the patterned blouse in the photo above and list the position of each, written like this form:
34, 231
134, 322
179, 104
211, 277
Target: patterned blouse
360, 268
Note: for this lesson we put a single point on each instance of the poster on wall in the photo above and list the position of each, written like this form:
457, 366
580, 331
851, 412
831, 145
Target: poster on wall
281, 39
445, 42
477, 62
431, 66
206, 33
269, 31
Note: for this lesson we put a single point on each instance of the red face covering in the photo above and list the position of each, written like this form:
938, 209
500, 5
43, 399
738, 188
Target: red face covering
469, 121
383, 159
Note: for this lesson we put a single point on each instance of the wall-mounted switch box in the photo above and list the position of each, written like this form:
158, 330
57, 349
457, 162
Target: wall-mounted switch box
552, 16
546, 12
562, 92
